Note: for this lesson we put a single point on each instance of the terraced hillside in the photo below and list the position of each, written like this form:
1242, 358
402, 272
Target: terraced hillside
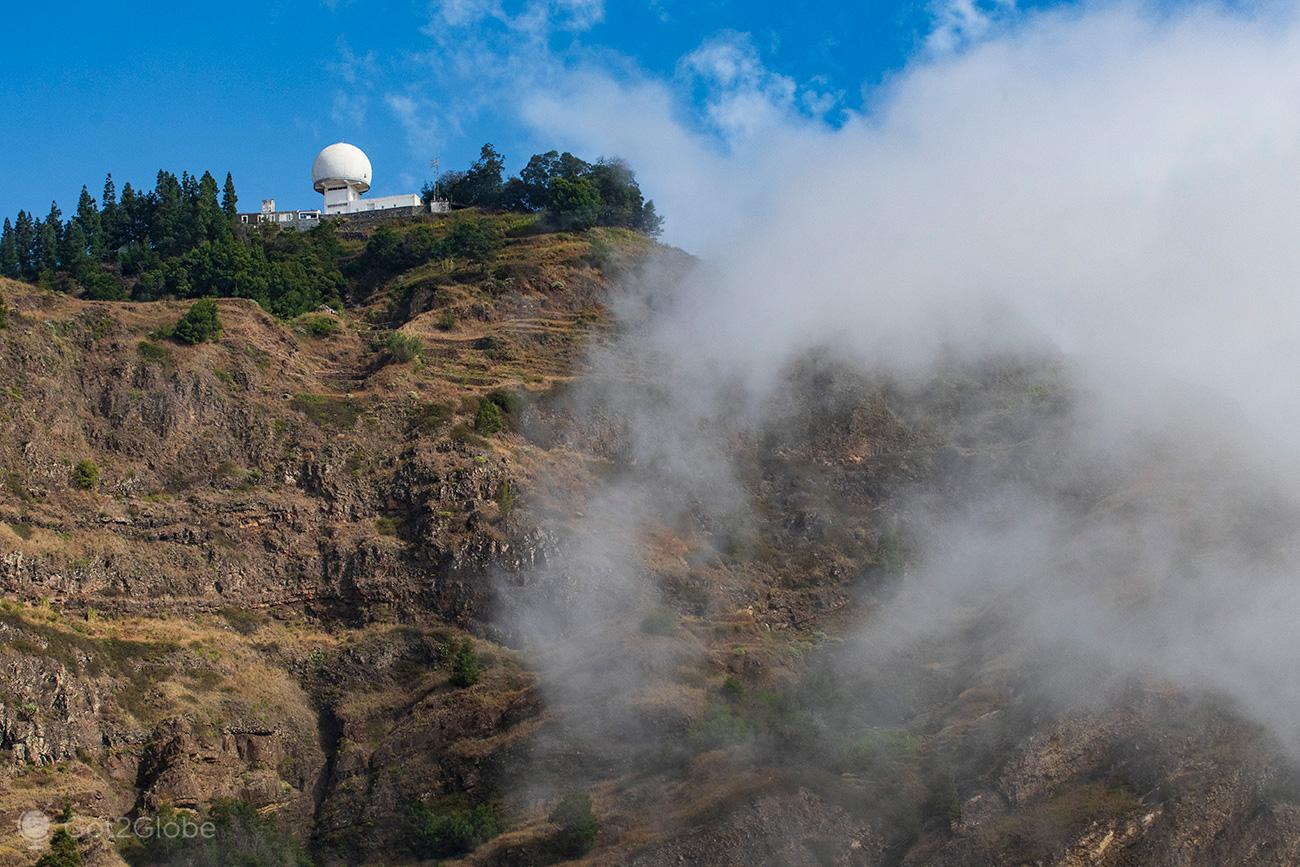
346, 595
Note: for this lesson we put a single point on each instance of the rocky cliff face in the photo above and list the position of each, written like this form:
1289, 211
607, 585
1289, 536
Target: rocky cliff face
265, 595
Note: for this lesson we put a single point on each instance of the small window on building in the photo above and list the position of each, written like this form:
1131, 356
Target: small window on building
243, 218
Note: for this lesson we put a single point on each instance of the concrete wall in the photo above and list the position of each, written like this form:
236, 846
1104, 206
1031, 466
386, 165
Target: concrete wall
366, 218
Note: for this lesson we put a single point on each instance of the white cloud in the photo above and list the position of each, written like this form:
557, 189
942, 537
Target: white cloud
420, 121
349, 109
958, 22
1116, 182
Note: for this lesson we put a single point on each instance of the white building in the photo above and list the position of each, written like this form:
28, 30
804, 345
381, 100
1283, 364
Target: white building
341, 173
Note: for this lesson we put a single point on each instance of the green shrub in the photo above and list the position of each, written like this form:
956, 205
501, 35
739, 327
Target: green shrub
474, 239
85, 475
511, 402
402, 348
446, 321
63, 851
386, 526
505, 498
4, 313
578, 825
65, 815
200, 324
451, 827
152, 353
575, 204
488, 419
319, 326
464, 665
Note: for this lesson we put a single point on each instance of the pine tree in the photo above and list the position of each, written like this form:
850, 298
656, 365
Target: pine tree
167, 227
49, 233
464, 665
10, 264
74, 250
111, 218
25, 241
191, 223
63, 851
88, 217
212, 221
134, 216
229, 201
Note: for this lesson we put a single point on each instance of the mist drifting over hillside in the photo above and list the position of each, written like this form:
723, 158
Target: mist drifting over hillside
1112, 189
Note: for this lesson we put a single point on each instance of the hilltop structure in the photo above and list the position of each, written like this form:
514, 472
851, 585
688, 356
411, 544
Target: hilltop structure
341, 173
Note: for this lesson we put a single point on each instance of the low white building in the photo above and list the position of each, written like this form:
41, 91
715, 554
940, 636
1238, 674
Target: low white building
298, 219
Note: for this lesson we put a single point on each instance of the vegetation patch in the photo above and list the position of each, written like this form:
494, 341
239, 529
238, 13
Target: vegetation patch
451, 827
577, 825
85, 475
488, 419
200, 324
242, 836
328, 411
464, 665
152, 353
402, 348
429, 416
318, 325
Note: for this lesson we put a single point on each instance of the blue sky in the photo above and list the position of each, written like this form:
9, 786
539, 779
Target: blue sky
257, 88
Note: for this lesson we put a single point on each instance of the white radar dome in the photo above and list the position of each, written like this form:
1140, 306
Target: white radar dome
341, 162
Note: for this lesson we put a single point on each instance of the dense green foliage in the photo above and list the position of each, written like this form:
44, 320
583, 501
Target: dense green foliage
177, 241
63, 851
464, 665
200, 323
472, 238
288, 273
569, 192
318, 326
451, 827
182, 239
578, 825
402, 348
488, 419
85, 475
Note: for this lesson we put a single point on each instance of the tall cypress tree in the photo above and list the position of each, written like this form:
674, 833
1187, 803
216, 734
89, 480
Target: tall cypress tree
213, 224
25, 241
10, 266
135, 214
88, 217
166, 226
192, 233
229, 201
73, 250
110, 218
49, 233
